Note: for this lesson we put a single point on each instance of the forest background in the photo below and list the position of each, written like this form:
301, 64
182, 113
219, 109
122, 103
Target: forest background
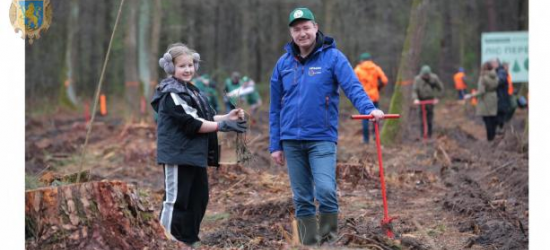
246, 36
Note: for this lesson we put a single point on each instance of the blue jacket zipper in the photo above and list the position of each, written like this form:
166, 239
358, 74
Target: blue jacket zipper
326, 111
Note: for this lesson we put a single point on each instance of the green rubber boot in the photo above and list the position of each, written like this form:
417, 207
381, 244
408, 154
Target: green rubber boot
307, 230
328, 227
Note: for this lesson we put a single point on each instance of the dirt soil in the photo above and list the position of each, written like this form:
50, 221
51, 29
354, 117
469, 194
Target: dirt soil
454, 191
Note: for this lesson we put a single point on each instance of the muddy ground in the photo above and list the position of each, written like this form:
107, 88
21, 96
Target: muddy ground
454, 191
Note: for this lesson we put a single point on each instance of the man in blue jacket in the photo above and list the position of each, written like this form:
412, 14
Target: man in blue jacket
303, 121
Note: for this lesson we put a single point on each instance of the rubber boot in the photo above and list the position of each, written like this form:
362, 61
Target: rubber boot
328, 227
307, 231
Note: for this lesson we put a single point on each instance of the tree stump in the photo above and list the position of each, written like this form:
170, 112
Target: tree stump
91, 215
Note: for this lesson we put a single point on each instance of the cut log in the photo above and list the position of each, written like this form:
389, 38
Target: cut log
91, 215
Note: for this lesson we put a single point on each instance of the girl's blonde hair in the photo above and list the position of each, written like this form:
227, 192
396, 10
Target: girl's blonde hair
175, 50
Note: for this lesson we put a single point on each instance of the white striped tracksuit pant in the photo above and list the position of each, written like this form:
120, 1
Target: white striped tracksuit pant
185, 200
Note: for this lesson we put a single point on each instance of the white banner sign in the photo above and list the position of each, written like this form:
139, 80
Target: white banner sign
510, 47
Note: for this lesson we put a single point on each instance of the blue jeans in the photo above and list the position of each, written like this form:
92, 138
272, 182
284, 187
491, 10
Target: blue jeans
461, 94
366, 127
312, 172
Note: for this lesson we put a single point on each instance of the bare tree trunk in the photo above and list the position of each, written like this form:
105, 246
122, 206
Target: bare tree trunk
144, 54
491, 15
130, 61
446, 57
461, 32
217, 43
523, 15
256, 67
245, 38
144, 45
155, 39
401, 99
71, 59
328, 10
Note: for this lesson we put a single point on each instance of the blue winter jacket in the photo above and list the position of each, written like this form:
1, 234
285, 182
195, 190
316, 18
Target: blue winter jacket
305, 97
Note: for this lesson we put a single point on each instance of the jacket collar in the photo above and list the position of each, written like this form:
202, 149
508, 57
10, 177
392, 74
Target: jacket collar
173, 85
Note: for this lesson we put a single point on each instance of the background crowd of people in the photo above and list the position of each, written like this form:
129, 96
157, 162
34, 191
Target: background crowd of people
237, 91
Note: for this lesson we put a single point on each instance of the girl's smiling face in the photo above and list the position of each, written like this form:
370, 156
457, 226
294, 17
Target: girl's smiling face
185, 68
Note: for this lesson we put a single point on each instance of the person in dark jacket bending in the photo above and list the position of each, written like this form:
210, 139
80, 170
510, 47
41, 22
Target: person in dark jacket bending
427, 86
187, 143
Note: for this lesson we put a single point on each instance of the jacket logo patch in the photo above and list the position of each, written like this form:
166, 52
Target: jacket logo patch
314, 71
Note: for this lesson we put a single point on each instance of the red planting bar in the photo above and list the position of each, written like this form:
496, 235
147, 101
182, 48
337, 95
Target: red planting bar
424, 119
386, 221
364, 117
424, 102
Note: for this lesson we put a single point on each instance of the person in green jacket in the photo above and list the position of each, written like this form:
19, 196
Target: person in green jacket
427, 86
247, 92
231, 83
253, 98
487, 105
204, 83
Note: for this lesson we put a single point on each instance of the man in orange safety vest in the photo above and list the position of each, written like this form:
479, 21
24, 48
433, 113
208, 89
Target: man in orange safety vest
460, 84
373, 80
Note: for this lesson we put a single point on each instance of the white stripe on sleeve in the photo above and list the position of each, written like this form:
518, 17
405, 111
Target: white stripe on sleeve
188, 109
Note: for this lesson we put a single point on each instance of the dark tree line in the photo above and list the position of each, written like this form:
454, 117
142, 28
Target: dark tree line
247, 36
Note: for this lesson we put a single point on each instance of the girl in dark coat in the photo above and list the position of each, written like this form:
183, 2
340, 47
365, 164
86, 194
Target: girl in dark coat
187, 143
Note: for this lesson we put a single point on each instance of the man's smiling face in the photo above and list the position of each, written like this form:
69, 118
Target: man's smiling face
303, 33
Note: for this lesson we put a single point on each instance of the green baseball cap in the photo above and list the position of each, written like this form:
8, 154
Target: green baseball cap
364, 56
300, 14
425, 70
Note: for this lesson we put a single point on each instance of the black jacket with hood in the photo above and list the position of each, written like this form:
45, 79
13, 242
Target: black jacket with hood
181, 109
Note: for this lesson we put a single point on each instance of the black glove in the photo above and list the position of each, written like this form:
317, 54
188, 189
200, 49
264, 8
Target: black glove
228, 126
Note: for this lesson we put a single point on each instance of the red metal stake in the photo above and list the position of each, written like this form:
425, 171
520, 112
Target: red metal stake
424, 116
424, 122
368, 117
386, 221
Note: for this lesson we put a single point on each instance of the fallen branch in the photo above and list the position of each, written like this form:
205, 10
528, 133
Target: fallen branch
374, 246
495, 170
447, 158
285, 234
295, 235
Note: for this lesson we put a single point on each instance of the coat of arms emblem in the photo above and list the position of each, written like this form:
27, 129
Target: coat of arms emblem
30, 17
